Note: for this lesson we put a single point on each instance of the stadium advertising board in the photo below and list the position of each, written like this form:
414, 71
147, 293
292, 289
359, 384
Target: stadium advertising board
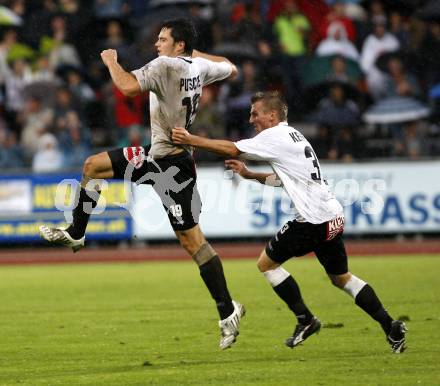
26, 202
378, 198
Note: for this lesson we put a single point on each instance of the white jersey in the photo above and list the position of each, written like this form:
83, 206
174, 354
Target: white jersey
175, 86
293, 160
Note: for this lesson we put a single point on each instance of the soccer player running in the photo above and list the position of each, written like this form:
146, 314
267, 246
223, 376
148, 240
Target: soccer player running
175, 80
319, 221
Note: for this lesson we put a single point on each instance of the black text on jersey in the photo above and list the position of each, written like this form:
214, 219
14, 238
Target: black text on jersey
297, 137
190, 83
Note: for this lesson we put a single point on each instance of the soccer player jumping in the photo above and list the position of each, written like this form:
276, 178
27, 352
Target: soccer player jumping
319, 221
174, 80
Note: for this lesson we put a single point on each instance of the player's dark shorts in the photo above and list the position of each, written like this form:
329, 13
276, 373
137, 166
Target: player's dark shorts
300, 238
172, 177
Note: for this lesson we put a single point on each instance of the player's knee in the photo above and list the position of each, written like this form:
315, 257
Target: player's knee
337, 283
191, 239
184, 240
188, 242
265, 263
260, 265
90, 166
340, 281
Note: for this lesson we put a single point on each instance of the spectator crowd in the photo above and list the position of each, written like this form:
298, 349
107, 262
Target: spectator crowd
333, 60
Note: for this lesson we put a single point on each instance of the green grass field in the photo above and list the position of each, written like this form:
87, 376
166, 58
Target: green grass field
154, 324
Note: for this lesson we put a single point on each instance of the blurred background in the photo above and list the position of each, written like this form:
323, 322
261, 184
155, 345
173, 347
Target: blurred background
361, 78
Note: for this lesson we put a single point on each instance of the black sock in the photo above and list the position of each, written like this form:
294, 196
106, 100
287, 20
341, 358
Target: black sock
370, 303
86, 203
288, 290
214, 278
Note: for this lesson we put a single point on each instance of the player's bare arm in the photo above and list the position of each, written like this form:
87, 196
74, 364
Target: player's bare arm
217, 59
240, 168
181, 136
123, 80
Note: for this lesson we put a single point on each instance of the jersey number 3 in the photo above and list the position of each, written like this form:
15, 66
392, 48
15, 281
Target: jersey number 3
191, 109
309, 153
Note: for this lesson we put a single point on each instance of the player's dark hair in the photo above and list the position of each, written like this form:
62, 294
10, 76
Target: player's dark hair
182, 30
272, 100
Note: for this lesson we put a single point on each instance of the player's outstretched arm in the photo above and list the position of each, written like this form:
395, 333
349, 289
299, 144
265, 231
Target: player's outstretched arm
123, 80
181, 136
215, 58
240, 168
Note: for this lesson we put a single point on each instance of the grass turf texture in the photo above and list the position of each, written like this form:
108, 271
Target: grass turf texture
154, 323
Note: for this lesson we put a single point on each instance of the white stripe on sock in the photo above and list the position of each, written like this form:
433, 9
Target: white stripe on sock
276, 276
353, 286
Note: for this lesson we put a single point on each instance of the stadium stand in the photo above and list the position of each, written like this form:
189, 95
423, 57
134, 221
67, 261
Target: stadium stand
52, 79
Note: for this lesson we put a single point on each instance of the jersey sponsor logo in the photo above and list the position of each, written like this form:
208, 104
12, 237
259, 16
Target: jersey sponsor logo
334, 227
135, 155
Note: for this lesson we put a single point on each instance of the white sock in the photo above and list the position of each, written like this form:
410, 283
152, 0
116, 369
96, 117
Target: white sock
353, 286
276, 276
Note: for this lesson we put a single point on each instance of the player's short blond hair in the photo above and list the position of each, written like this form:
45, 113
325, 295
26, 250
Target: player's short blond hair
272, 100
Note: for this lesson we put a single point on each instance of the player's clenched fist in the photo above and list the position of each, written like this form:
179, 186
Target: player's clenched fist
109, 56
181, 136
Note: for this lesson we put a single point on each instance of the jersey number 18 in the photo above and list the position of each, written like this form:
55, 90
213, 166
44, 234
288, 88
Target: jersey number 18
191, 109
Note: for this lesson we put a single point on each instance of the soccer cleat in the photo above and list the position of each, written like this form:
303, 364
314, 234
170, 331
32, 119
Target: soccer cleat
229, 326
61, 236
396, 337
302, 332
